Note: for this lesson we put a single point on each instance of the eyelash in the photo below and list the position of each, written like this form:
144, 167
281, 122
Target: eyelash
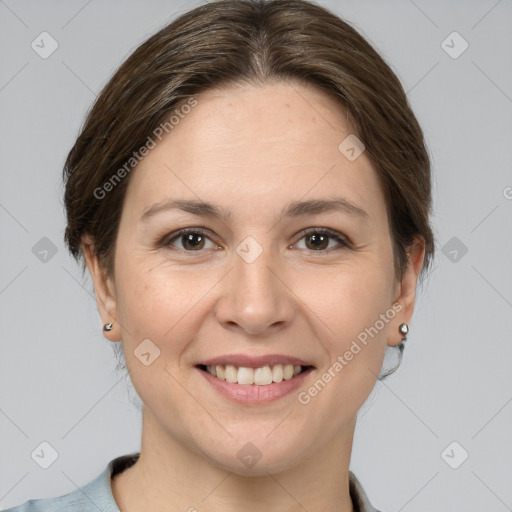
344, 242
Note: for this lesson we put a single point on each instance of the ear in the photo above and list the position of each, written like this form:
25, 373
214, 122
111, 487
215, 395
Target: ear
405, 291
104, 289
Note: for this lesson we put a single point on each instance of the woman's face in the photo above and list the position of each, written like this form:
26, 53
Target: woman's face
288, 262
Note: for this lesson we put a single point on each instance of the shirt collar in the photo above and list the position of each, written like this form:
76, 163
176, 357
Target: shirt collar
102, 485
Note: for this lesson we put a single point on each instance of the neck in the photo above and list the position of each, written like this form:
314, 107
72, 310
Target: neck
170, 473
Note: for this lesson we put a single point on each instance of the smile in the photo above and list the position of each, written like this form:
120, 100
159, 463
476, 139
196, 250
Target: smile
252, 379
261, 376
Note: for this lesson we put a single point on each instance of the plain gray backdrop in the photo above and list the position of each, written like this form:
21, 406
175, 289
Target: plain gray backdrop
451, 398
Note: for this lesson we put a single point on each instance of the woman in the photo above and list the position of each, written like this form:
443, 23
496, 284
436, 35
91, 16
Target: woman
251, 195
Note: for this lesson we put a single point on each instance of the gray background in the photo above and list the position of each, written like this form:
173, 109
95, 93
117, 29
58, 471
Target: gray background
58, 378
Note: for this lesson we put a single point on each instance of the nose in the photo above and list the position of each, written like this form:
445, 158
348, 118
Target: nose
255, 297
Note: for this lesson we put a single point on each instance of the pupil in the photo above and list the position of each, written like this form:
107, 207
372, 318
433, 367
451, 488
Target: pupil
319, 238
189, 239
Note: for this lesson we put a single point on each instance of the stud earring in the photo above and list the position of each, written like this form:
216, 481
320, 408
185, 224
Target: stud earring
108, 327
404, 329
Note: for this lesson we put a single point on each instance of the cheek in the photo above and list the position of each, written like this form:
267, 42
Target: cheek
351, 299
352, 333
151, 302
167, 305
153, 305
354, 310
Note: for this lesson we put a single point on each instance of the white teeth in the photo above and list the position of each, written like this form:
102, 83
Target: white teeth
231, 373
245, 375
277, 373
262, 376
258, 376
288, 372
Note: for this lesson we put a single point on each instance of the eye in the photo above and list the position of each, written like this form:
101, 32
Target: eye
191, 240
317, 239
196, 239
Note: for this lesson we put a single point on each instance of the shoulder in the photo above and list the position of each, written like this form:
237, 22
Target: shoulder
96, 495
83, 499
73, 501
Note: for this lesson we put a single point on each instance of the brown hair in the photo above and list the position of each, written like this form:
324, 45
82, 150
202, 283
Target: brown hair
229, 42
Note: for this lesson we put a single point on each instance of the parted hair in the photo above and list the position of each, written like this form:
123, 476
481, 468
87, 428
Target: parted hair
237, 42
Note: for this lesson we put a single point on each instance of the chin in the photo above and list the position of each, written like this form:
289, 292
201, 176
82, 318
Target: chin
259, 456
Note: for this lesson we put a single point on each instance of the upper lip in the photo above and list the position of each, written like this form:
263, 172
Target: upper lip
254, 361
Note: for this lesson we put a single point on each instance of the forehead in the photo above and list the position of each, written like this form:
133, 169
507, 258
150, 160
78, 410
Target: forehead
278, 141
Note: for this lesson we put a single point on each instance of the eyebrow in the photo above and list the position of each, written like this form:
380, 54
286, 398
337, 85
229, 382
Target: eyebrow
294, 209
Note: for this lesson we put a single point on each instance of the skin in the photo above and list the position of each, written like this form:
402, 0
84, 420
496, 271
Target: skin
251, 150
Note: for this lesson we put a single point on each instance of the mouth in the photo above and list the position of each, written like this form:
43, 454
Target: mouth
264, 375
255, 379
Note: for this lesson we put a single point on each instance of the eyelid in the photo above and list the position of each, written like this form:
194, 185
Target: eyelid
336, 235
167, 239
340, 238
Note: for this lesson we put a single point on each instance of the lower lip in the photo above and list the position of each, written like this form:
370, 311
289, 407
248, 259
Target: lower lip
253, 394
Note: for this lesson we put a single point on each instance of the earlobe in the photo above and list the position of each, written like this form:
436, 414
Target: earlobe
406, 291
104, 290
